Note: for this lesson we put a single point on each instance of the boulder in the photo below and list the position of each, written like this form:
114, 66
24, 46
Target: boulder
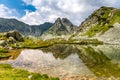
11, 40
15, 34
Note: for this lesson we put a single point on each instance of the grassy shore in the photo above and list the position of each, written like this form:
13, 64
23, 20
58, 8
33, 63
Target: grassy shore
9, 73
38, 43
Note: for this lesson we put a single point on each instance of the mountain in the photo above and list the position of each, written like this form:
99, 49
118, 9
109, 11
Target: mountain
38, 30
103, 24
25, 29
13, 24
61, 27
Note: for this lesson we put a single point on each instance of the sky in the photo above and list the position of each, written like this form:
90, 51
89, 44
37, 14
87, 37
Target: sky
35, 12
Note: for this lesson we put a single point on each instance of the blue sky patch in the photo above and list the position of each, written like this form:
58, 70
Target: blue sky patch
18, 5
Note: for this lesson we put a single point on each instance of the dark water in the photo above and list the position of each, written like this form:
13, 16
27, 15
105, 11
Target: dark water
71, 62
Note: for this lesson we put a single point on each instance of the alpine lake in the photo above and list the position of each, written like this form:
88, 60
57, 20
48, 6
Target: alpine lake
72, 61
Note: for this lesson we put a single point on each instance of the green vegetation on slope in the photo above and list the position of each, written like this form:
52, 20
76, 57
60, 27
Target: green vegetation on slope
106, 17
9, 73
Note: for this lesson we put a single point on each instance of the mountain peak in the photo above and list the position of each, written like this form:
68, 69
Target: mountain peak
66, 22
61, 26
58, 20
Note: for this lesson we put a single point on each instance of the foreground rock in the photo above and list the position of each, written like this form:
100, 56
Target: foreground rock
8, 38
15, 34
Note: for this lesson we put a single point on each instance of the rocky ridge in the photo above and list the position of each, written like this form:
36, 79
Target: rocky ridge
103, 24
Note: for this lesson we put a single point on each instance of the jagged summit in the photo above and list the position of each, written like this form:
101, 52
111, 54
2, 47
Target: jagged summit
65, 21
61, 26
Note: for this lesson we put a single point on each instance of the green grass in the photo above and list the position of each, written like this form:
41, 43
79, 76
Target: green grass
116, 16
96, 29
3, 50
4, 53
9, 73
31, 43
40, 43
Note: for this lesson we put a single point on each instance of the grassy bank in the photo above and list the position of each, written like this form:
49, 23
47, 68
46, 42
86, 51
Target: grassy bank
9, 73
38, 43
7, 54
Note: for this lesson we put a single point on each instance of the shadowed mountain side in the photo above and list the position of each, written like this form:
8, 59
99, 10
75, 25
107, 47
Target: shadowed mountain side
25, 29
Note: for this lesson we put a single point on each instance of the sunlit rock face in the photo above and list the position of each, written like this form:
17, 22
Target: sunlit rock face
112, 35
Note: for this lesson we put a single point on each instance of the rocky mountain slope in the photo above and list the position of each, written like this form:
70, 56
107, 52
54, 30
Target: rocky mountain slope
38, 30
13, 24
103, 24
61, 27
25, 29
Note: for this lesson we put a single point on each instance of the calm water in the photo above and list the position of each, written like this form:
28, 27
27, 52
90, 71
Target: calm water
72, 61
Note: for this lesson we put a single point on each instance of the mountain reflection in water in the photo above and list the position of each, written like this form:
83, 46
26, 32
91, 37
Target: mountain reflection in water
72, 60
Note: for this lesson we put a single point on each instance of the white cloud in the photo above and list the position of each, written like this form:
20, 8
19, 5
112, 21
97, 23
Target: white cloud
27, 1
75, 10
5, 12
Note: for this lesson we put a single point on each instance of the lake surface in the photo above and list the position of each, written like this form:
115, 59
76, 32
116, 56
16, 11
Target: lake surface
72, 62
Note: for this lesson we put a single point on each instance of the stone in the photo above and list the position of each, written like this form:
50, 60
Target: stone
15, 34
11, 40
